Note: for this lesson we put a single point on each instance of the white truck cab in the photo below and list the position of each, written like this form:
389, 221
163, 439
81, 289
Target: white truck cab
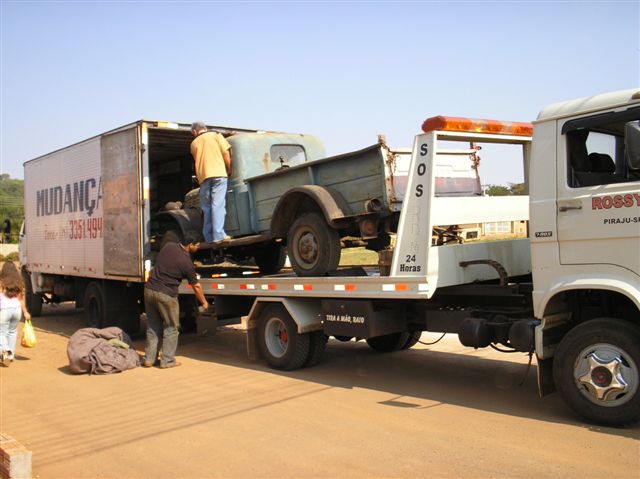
585, 250
585, 198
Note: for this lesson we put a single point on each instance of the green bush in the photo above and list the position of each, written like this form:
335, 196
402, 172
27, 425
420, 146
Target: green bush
11, 257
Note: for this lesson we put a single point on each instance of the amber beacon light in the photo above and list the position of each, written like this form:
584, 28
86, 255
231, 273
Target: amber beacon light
470, 125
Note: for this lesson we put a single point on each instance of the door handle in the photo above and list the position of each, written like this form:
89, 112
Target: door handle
567, 208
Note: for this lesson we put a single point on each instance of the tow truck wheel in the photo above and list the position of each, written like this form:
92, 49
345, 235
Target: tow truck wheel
317, 346
314, 247
344, 339
279, 341
94, 305
414, 337
596, 370
32, 301
389, 342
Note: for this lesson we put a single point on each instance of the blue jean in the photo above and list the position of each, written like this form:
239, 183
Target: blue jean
163, 320
212, 202
9, 319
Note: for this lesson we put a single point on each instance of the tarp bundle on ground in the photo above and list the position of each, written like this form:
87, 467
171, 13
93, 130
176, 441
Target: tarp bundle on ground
101, 351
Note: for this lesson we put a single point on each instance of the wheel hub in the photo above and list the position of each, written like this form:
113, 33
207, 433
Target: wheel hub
604, 377
276, 337
308, 247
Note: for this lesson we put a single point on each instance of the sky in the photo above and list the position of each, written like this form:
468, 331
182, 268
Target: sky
343, 71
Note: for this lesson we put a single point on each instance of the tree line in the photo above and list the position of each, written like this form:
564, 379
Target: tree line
11, 204
513, 189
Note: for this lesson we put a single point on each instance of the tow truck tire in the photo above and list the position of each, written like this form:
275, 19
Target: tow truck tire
389, 342
313, 245
32, 301
344, 339
279, 341
94, 305
271, 260
596, 371
414, 337
317, 346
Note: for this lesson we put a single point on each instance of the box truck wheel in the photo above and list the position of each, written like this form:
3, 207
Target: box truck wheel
271, 259
314, 247
32, 301
596, 368
279, 341
388, 342
94, 305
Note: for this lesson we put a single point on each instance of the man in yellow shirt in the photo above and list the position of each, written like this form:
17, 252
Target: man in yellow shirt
210, 151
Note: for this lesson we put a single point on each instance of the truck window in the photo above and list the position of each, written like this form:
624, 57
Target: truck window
285, 154
596, 151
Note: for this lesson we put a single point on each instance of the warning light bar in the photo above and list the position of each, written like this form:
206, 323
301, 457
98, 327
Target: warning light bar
452, 123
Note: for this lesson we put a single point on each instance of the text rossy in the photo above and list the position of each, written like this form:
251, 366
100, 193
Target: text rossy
606, 202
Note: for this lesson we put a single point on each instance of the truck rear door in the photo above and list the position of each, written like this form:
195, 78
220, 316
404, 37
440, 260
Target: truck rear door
121, 203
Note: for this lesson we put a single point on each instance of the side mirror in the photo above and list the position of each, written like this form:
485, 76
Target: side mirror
632, 144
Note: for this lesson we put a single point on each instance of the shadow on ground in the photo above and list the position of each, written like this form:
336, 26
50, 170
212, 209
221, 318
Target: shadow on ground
458, 376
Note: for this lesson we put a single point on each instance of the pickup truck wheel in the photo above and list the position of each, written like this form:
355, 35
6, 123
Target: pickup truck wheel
32, 301
271, 260
314, 247
94, 305
389, 342
596, 371
279, 341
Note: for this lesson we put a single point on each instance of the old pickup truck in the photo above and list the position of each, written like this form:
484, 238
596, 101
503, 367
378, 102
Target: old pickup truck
284, 197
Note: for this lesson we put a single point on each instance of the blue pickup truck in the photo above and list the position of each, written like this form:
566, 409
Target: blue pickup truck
285, 197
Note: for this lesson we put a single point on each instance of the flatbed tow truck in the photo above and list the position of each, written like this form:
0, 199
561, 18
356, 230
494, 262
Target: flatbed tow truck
569, 293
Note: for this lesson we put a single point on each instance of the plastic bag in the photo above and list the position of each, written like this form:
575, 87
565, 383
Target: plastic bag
28, 335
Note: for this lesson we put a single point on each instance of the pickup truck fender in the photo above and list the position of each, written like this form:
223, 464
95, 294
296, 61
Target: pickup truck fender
188, 219
329, 201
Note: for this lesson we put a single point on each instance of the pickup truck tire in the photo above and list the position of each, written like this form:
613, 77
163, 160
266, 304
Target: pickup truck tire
271, 260
279, 341
32, 301
596, 371
94, 305
313, 246
389, 342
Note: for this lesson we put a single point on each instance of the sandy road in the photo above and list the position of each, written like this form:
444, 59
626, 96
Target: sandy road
432, 411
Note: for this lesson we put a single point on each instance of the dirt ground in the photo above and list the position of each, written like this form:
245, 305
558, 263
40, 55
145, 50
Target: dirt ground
433, 411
